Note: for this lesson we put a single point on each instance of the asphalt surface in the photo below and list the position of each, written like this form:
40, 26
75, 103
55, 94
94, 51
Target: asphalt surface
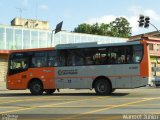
127, 104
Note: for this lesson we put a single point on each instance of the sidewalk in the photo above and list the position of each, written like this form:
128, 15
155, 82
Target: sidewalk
2, 86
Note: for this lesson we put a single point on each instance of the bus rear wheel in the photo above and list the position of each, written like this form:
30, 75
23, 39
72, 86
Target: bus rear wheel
36, 88
50, 91
103, 87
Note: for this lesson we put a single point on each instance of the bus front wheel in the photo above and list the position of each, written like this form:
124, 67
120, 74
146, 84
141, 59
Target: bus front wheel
50, 91
36, 88
102, 87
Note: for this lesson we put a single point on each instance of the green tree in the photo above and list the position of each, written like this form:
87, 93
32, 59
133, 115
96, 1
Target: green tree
120, 27
95, 29
83, 28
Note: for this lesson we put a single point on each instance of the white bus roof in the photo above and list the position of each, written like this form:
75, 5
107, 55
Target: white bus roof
92, 44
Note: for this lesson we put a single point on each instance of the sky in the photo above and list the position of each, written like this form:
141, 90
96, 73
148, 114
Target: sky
75, 12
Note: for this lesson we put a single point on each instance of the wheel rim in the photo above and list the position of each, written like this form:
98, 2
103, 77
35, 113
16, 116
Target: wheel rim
37, 87
101, 87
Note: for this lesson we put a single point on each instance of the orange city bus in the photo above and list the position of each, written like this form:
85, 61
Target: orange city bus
103, 67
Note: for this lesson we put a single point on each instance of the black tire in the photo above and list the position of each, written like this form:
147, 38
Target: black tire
36, 88
50, 91
103, 87
113, 90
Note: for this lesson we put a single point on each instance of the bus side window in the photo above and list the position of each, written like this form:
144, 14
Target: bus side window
61, 58
137, 53
89, 60
128, 59
75, 57
39, 59
51, 58
71, 60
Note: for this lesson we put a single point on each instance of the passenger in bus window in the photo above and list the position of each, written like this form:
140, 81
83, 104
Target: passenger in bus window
33, 64
104, 60
97, 61
118, 60
89, 61
136, 59
129, 59
121, 59
52, 62
39, 63
24, 64
112, 60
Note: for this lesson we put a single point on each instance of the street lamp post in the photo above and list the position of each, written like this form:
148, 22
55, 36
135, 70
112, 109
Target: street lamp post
58, 29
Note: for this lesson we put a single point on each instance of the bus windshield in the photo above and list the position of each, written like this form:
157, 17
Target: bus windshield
18, 62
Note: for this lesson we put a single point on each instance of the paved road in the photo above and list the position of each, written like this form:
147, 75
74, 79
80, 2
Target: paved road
81, 104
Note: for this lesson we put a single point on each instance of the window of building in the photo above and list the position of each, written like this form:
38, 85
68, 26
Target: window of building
158, 47
150, 46
2, 38
26, 39
49, 39
77, 39
18, 39
56, 39
42, 39
9, 38
34, 39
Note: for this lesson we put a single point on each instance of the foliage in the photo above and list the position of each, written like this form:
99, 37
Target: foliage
120, 27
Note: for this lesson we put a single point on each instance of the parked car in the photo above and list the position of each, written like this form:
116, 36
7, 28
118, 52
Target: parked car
157, 81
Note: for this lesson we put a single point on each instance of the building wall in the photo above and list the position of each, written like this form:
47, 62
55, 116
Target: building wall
154, 51
3, 67
21, 38
29, 23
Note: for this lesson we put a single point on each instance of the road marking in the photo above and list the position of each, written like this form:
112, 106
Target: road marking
97, 106
77, 106
10, 107
120, 105
61, 103
107, 108
24, 100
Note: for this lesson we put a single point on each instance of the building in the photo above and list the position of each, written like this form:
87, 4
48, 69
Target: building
26, 33
30, 23
153, 41
3, 64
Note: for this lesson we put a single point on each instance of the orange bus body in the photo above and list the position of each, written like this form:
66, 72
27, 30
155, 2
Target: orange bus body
21, 80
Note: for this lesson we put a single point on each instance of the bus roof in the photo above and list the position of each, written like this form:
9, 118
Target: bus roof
76, 45
92, 44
